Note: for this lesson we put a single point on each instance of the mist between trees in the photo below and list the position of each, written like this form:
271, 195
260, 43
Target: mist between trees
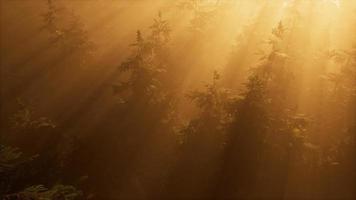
186, 99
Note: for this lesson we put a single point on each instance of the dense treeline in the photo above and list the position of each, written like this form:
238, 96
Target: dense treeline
275, 118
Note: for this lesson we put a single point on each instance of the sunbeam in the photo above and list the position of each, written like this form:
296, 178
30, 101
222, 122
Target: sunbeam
186, 99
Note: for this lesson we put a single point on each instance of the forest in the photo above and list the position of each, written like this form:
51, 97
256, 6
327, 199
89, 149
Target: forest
178, 100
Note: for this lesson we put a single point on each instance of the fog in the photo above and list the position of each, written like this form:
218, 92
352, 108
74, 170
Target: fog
186, 99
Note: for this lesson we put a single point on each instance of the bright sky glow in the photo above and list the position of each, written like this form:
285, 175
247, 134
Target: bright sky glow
335, 2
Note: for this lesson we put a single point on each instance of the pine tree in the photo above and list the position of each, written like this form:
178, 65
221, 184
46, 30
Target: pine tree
66, 31
202, 141
262, 126
138, 126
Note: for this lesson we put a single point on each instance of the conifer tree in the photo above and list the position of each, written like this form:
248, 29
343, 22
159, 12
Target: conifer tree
202, 141
66, 31
262, 126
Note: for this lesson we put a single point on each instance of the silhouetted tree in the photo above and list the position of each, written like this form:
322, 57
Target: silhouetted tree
202, 141
67, 32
